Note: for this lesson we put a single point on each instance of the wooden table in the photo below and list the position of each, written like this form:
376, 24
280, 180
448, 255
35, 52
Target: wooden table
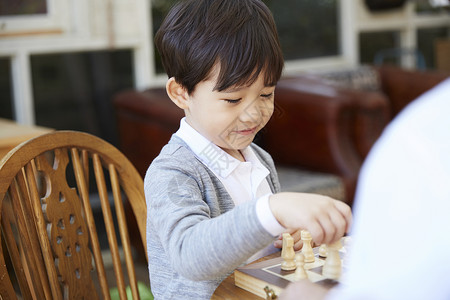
228, 290
12, 134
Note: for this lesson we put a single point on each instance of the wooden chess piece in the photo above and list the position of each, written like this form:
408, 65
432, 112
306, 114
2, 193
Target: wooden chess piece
332, 267
307, 249
288, 253
300, 272
323, 251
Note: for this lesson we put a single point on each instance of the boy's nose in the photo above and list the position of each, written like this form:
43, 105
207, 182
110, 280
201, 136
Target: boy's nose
251, 113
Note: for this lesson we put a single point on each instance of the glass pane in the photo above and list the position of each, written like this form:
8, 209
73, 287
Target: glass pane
426, 39
22, 7
75, 90
374, 44
160, 8
307, 28
431, 6
6, 98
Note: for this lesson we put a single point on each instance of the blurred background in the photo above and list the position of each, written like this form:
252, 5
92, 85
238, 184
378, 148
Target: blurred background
62, 61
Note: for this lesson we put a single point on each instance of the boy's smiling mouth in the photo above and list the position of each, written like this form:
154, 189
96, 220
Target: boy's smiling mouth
247, 131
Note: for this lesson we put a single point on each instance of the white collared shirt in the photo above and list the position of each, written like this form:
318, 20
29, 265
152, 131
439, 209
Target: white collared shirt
244, 181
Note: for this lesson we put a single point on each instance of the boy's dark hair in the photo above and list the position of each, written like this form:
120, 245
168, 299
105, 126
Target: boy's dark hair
238, 35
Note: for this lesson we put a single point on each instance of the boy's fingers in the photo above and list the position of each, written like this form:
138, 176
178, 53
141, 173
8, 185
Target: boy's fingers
297, 235
346, 212
329, 229
316, 231
278, 244
298, 245
340, 224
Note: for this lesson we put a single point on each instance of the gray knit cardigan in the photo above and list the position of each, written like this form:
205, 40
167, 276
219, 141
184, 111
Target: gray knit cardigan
195, 235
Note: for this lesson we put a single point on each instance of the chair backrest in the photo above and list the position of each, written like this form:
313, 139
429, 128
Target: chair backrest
57, 191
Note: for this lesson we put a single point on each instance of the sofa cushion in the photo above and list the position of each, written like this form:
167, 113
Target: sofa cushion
305, 181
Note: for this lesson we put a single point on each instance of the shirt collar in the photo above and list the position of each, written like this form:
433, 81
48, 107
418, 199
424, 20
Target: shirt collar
259, 171
220, 162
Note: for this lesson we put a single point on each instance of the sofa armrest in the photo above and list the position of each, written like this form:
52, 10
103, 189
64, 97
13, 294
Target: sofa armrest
372, 112
403, 86
312, 128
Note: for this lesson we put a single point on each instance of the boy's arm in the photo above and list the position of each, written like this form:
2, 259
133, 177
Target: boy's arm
325, 218
185, 210
199, 245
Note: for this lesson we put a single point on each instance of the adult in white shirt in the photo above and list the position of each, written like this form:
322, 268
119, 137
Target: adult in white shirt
401, 231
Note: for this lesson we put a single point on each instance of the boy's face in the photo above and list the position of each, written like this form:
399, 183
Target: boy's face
231, 118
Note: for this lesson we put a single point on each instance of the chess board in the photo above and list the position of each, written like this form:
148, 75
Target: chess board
256, 276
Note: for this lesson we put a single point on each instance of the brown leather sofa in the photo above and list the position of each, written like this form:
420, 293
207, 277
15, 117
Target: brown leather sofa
317, 126
324, 128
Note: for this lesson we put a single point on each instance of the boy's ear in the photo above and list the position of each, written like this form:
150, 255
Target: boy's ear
177, 93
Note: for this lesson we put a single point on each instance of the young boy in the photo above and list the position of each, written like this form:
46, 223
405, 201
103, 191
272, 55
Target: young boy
213, 196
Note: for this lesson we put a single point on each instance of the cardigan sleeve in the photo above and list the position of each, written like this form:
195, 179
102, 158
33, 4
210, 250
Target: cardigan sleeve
182, 209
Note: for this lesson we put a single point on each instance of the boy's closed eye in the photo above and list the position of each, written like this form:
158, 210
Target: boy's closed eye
233, 100
268, 96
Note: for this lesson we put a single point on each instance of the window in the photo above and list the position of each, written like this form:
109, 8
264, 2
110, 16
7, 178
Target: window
316, 35
160, 8
372, 44
22, 7
406, 35
6, 103
307, 29
75, 90
426, 42
31, 16
37, 34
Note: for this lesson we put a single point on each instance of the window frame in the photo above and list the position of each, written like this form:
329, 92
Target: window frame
51, 22
67, 20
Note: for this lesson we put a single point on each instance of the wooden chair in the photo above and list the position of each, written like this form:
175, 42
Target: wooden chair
50, 227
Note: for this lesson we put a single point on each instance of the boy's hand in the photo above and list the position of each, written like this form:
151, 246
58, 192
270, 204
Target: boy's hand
325, 218
296, 235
